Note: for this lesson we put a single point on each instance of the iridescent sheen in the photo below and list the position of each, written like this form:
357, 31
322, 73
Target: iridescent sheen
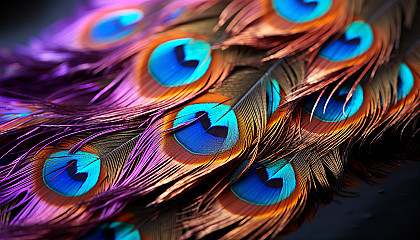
266, 184
334, 110
214, 130
179, 62
71, 175
301, 10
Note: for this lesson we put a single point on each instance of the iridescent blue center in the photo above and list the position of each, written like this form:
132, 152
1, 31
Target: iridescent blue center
179, 62
405, 81
116, 25
266, 184
334, 110
71, 175
175, 14
355, 41
214, 130
301, 10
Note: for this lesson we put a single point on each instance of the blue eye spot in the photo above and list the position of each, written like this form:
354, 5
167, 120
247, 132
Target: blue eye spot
214, 131
114, 231
272, 95
180, 62
405, 81
71, 175
11, 112
356, 40
116, 25
266, 184
301, 10
334, 109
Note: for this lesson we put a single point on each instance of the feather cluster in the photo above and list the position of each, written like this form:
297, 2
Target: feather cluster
202, 119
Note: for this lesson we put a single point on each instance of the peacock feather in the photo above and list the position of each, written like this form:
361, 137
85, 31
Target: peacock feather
203, 119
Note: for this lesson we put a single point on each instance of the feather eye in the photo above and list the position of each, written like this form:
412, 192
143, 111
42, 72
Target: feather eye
301, 10
112, 26
333, 113
71, 175
405, 81
268, 195
266, 184
108, 25
179, 62
273, 96
103, 27
216, 130
356, 40
204, 128
336, 109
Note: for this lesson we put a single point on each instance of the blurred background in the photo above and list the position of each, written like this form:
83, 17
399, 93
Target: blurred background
387, 210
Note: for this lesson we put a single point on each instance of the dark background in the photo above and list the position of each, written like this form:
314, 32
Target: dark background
388, 210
